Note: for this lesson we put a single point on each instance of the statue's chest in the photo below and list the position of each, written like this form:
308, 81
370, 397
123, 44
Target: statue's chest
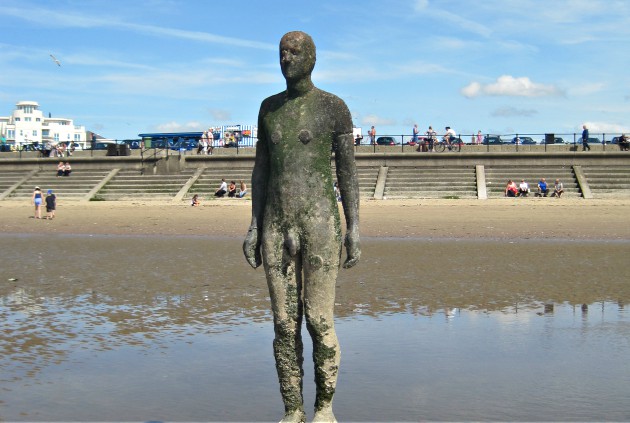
294, 123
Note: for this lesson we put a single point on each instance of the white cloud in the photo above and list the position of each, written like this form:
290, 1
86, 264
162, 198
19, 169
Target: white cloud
376, 121
507, 85
48, 17
586, 89
220, 115
420, 68
424, 8
180, 127
604, 127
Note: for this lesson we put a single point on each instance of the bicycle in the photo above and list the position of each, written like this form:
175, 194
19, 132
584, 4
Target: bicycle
455, 145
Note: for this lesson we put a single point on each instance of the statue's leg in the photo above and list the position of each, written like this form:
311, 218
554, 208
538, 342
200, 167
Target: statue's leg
285, 289
321, 263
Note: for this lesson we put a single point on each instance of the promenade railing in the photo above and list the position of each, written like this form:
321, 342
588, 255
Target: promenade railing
381, 143
518, 140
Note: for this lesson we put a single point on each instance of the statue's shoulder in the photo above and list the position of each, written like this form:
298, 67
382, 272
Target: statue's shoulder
333, 105
330, 97
273, 101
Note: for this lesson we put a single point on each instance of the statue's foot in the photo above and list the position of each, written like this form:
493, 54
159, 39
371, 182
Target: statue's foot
325, 415
296, 416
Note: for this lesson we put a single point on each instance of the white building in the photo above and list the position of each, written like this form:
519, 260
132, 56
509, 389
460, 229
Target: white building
27, 124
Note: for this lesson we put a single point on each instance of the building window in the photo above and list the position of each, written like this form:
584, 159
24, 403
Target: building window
38, 120
27, 119
56, 137
17, 119
77, 137
11, 134
34, 132
27, 109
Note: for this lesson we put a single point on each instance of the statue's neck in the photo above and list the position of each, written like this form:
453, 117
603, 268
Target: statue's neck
299, 88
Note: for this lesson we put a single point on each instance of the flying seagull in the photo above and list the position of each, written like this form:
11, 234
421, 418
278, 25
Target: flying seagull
55, 60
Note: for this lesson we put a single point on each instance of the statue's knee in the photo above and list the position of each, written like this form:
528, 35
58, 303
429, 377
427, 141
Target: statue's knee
318, 327
285, 328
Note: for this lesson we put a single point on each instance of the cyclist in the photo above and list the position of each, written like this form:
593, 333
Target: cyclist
450, 134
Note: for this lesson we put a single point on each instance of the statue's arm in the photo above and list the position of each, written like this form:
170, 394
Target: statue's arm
260, 176
349, 188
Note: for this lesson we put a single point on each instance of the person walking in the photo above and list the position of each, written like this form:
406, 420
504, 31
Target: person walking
38, 200
431, 137
415, 134
51, 205
585, 145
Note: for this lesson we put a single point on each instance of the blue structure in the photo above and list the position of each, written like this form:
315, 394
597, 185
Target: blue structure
168, 139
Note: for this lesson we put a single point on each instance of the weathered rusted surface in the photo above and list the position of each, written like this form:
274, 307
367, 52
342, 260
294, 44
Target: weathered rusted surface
296, 228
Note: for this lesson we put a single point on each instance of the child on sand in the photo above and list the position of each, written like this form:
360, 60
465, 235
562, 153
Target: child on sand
51, 205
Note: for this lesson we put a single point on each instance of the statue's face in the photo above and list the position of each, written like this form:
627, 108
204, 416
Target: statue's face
297, 55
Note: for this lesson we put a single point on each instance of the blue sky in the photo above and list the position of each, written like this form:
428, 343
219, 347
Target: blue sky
499, 66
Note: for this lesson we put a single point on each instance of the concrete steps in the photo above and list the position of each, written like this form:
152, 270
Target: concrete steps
73, 187
8, 178
131, 184
431, 182
367, 177
608, 181
498, 176
210, 180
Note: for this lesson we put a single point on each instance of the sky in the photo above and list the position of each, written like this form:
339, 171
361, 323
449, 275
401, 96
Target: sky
498, 66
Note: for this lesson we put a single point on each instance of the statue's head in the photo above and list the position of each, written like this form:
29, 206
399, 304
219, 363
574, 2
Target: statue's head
297, 55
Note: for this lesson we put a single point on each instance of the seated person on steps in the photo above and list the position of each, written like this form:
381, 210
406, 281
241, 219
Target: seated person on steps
558, 189
523, 188
543, 190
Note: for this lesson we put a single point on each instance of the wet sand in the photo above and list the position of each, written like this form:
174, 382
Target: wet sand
531, 218
479, 309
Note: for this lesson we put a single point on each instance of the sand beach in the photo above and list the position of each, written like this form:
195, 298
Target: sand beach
531, 218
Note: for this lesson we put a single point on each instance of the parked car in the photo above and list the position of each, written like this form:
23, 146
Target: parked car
556, 140
101, 145
492, 139
75, 146
524, 140
385, 141
615, 140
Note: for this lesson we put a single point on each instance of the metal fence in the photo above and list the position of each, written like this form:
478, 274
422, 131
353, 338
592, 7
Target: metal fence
381, 143
574, 139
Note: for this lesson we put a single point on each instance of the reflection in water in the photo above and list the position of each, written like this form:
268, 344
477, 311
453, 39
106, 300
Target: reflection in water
181, 327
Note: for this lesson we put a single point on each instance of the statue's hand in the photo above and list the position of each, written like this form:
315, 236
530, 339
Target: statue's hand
251, 247
353, 248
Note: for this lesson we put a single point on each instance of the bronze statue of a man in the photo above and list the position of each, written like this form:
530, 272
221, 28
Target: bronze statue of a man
295, 229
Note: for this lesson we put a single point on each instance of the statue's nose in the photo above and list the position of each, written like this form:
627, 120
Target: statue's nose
286, 56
